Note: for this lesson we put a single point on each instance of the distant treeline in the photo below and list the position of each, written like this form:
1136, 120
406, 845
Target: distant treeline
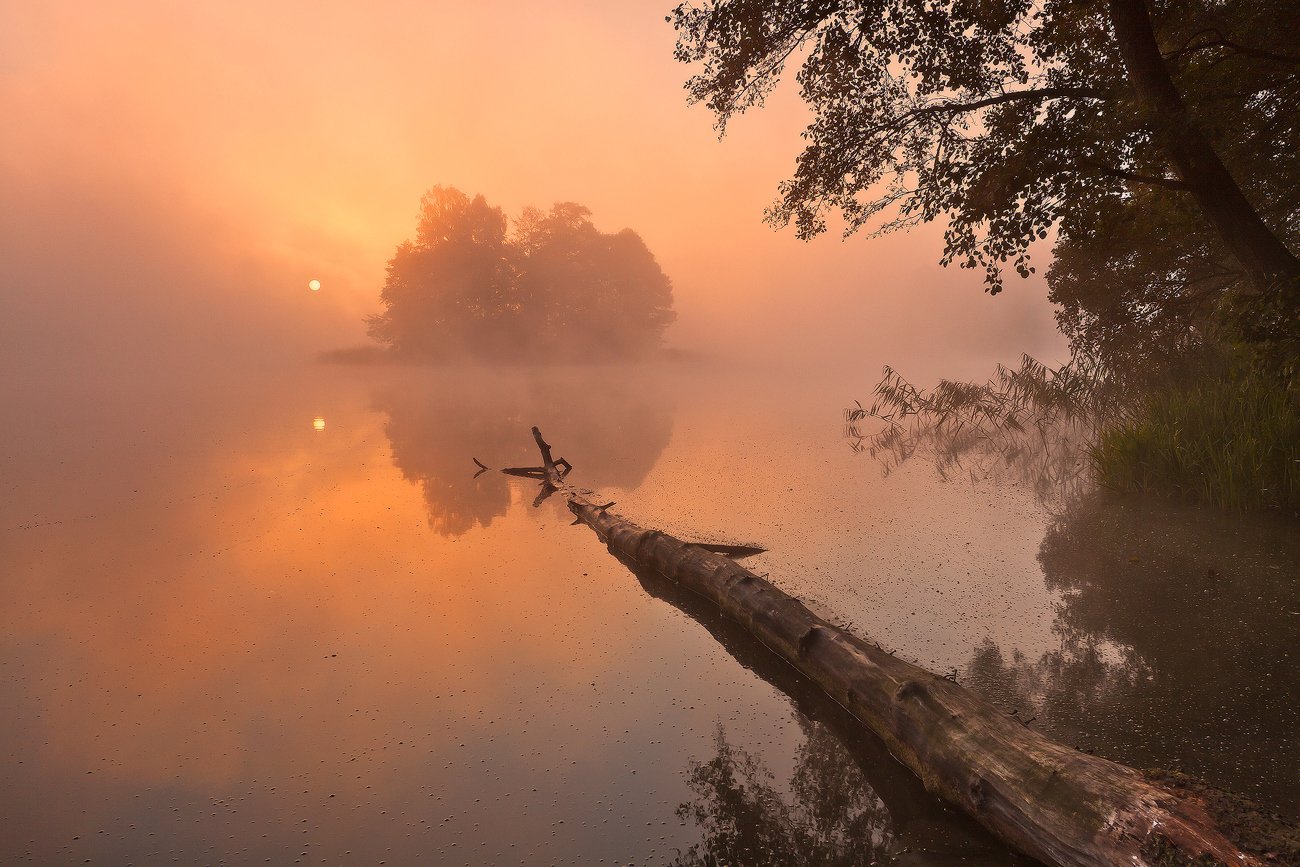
551, 286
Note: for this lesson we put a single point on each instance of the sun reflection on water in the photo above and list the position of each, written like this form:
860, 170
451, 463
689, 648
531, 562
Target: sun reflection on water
318, 423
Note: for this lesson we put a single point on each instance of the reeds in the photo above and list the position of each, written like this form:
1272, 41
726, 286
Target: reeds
1034, 422
1231, 440
1223, 432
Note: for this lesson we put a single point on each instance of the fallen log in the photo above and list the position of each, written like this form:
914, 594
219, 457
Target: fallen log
925, 831
1048, 800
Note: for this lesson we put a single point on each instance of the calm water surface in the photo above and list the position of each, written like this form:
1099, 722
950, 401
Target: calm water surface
278, 618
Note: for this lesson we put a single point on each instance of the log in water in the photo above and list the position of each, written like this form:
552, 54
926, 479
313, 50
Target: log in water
1048, 800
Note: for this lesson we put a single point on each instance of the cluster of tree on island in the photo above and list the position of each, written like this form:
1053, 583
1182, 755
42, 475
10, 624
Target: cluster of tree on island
551, 286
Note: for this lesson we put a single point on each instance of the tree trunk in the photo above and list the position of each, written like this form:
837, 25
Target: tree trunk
1266, 260
1048, 800
925, 831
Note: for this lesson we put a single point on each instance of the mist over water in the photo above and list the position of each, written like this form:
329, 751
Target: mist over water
180, 220
288, 604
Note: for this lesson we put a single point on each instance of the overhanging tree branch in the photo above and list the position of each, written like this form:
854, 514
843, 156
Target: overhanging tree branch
1037, 94
1125, 175
1219, 40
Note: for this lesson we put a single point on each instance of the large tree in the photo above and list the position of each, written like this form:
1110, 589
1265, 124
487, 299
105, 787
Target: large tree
553, 288
1010, 118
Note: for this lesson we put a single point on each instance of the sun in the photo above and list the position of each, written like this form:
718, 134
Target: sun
314, 285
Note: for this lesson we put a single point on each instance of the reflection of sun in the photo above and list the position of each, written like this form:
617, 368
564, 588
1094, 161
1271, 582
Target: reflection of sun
314, 285
318, 423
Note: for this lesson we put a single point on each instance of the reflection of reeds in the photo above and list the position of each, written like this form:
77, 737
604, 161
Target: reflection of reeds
1034, 422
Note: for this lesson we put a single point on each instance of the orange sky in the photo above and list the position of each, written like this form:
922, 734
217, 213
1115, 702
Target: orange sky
180, 170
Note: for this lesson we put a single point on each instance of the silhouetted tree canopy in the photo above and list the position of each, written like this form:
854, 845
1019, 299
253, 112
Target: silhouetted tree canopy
1160, 139
553, 288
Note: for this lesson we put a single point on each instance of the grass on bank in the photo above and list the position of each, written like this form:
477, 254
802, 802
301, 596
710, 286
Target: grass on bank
1232, 441
1223, 431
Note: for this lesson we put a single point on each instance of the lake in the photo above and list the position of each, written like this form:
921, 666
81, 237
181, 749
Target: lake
275, 616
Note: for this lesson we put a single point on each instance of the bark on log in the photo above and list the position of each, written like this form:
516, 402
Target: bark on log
927, 831
1046, 799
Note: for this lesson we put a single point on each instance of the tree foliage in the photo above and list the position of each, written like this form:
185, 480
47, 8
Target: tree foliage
1032, 424
554, 287
1141, 278
1011, 119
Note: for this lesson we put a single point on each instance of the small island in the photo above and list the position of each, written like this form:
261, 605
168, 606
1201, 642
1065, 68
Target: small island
546, 286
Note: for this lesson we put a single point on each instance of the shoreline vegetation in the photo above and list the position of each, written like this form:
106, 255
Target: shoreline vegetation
1230, 440
1223, 432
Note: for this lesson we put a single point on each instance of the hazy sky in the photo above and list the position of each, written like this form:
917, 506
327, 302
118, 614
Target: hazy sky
172, 174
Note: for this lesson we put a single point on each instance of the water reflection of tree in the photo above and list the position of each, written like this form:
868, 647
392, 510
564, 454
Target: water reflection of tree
1176, 632
835, 817
614, 426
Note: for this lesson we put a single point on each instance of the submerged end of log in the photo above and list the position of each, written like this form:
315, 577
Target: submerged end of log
1250, 826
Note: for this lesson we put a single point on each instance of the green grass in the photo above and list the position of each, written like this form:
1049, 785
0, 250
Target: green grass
1232, 441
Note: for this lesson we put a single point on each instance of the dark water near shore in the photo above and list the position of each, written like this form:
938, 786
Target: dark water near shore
277, 618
